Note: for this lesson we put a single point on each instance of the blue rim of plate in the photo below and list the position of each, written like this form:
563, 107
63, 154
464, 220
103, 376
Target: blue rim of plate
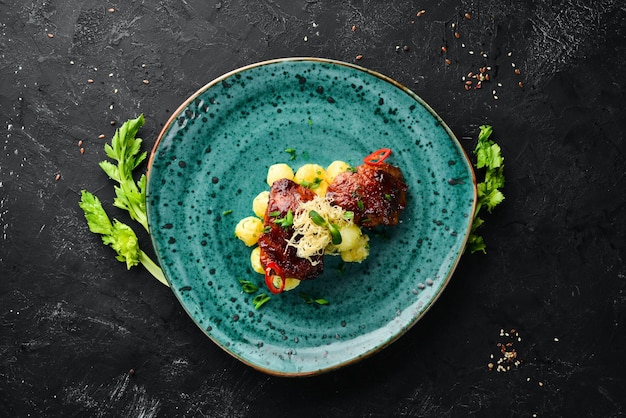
212, 300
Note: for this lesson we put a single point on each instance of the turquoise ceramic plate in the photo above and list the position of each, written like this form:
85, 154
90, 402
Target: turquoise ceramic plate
211, 160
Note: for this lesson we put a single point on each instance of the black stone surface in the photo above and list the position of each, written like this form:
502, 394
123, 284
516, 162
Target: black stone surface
74, 322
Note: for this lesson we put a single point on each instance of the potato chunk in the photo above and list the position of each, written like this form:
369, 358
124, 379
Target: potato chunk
277, 172
312, 176
259, 204
249, 229
334, 169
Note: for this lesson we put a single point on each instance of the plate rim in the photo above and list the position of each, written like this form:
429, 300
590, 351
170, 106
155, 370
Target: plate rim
375, 349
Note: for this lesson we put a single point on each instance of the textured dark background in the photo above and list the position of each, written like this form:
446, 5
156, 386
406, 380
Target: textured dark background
74, 322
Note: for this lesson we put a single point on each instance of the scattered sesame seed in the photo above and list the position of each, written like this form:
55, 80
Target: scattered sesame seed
57, 177
82, 150
556, 340
80, 143
353, 28
509, 53
520, 84
111, 10
495, 97
517, 71
146, 82
468, 16
448, 62
101, 136
51, 35
457, 35
512, 64
90, 81
359, 57
444, 48
110, 74
71, 62
540, 384
306, 38
420, 13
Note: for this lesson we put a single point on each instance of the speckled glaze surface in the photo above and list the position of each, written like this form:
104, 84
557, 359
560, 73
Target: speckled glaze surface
211, 161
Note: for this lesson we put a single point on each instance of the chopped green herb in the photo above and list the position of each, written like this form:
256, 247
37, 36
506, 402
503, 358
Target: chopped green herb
274, 214
360, 204
312, 184
227, 212
267, 229
260, 300
285, 222
308, 299
387, 196
488, 156
317, 218
348, 215
335, 234
248, 287
291, 152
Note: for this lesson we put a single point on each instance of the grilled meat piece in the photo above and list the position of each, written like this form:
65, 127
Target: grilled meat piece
286, 195
375, 193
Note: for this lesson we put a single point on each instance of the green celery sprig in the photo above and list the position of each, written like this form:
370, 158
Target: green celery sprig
488, 156
117, 235
130, 196
124, 149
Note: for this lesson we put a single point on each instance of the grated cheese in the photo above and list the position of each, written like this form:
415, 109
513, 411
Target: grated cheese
310, 239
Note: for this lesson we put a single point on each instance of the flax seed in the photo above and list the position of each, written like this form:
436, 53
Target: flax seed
420, 13
468, 16
457, 35
448, 62
82, 150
